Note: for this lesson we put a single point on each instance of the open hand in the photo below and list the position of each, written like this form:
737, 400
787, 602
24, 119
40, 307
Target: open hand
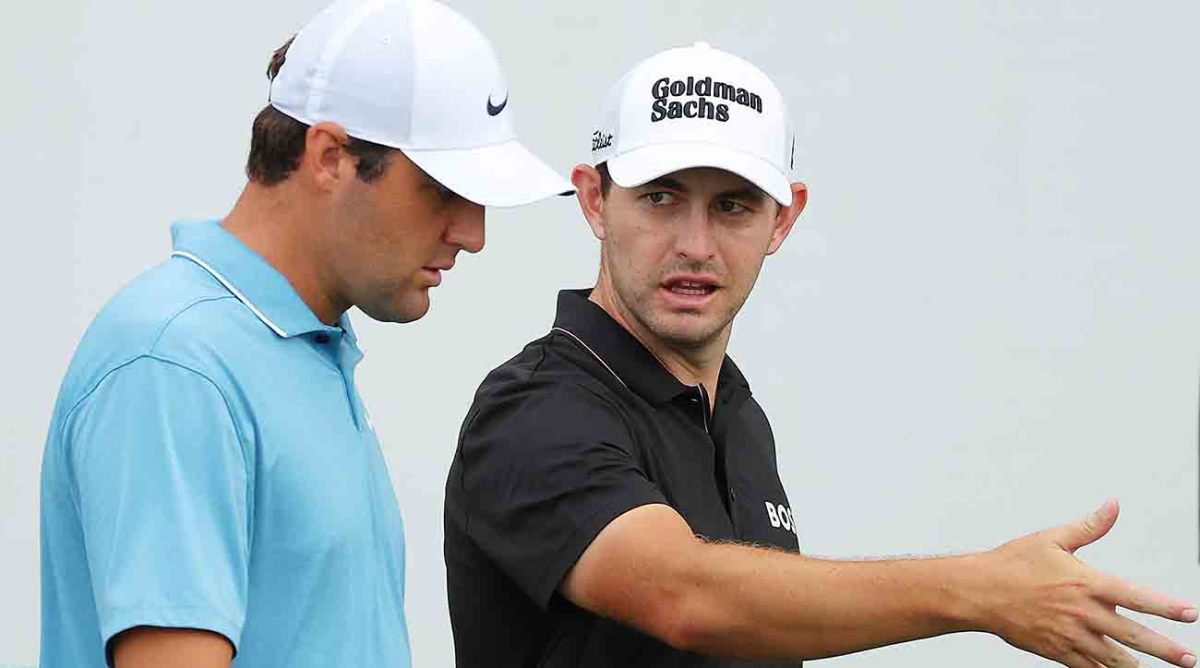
1043, 600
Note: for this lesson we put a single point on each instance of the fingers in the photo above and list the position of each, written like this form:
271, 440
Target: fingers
1104, 652
1140, 599
1076, 660
1138, 637
1114, 591
1090, 529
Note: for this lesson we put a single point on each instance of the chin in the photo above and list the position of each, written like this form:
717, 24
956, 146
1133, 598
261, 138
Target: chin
405, 309
685, 331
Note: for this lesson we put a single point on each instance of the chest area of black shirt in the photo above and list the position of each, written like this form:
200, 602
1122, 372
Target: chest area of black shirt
718, 471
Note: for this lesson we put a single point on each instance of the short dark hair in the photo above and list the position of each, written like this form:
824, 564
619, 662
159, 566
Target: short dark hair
605, 178
277, 141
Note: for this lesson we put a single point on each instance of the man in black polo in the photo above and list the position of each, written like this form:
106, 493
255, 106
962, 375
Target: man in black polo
614, 499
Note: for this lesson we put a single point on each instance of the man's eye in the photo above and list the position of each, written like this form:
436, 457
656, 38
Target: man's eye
731, 206
660, 198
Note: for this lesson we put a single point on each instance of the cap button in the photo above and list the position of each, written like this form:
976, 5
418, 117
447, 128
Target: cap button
701, 45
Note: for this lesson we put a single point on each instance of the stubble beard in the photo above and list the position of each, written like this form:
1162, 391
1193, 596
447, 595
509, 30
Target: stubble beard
664, 327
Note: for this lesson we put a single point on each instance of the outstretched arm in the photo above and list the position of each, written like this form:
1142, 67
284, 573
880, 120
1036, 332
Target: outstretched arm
647, 569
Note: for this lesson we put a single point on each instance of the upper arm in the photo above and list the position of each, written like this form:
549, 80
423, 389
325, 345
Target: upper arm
150, 647
638, 570
533, 491
161, 485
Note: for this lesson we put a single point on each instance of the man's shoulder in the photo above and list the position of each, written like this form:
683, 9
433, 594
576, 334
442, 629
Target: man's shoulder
547, 367
155, 315
547, 386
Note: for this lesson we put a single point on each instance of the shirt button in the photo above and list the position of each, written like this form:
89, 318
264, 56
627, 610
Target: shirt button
322, 338
732, 495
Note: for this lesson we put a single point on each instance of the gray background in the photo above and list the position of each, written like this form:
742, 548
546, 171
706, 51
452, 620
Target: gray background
985, 323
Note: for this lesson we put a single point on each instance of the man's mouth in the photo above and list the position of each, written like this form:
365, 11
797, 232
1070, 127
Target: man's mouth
691, 288
434, 272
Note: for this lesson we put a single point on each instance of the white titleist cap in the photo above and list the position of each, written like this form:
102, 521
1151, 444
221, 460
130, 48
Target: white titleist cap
696, 107
416, 76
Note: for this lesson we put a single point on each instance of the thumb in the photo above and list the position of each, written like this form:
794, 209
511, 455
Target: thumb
1088, 530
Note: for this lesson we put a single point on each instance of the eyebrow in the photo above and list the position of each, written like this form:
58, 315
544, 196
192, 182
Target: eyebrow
666, 182
749, 192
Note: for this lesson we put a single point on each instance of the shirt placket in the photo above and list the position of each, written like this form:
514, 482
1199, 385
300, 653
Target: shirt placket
345, 356
720, 474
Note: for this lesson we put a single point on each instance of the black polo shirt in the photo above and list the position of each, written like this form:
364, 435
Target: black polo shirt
580, 427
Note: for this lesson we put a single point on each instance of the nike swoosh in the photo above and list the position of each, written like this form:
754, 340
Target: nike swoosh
496, 109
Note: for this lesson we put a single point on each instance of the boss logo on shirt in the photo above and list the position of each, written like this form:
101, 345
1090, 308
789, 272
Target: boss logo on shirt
702, 106
781, 517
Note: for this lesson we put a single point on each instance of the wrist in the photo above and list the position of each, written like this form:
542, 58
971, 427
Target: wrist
967, 591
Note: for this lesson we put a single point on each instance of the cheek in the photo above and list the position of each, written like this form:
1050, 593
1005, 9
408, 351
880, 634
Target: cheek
406, 229
370, 217
642, 248
743, 261
746, 246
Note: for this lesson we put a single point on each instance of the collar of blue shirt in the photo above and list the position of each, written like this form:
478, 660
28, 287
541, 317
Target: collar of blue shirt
250, 278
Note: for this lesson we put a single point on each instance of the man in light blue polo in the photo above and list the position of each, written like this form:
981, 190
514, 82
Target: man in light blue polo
212, 489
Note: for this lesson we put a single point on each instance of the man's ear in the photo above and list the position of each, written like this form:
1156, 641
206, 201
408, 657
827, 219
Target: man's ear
325, 161
787, 216
591, 199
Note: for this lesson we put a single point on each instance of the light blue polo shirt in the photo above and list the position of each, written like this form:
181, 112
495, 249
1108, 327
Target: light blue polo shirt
211, 466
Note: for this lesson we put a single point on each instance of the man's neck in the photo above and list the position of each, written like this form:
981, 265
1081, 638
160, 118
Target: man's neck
272, 223
690, 366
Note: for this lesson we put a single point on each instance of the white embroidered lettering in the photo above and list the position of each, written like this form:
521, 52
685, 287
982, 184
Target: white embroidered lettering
772, 514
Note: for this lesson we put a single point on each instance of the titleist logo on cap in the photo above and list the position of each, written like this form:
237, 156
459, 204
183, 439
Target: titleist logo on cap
601, 139
666, 88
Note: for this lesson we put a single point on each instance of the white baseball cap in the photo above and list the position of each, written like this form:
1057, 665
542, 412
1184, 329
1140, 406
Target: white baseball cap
416, 76
696, 107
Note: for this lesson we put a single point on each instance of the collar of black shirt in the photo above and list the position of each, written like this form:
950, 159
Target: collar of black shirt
626, 357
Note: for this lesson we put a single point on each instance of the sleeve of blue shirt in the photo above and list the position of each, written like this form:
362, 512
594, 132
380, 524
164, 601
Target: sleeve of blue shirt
161, 481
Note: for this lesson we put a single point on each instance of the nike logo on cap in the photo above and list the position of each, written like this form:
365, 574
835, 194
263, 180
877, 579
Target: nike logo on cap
494, 109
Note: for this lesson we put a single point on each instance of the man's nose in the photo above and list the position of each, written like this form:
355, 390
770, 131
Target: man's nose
694, 237
466, 228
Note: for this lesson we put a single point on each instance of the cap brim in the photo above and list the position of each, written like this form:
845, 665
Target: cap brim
505, 174
642, 165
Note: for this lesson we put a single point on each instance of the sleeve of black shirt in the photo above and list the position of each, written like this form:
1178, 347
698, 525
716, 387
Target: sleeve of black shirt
545, 467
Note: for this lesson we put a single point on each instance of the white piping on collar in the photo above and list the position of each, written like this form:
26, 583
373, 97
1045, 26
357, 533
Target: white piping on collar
236, 293
593, 352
